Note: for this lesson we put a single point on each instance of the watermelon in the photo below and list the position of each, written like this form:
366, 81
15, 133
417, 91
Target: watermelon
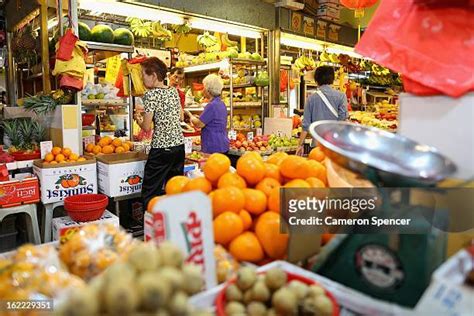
123, 36
102, 34
84, 32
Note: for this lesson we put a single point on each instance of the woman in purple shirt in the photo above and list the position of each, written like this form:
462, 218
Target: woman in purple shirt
213, 120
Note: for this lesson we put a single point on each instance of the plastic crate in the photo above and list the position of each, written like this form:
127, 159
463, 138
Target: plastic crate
7, 225
8, 241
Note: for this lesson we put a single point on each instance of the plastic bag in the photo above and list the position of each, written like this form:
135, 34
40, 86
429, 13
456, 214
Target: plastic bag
66, 45
430, 47
94, 248
446, 3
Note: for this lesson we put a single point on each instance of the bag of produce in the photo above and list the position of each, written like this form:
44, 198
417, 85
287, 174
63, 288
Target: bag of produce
408, 38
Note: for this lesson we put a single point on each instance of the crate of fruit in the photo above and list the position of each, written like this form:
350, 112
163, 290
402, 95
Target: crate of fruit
121, 174
63, 173
19, 191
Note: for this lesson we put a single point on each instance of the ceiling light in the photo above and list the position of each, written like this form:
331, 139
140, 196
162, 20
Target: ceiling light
216, 26
300, 42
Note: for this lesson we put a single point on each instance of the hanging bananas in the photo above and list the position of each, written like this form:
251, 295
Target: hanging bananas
207, 40
160, 32
305, 63
139, 27
227, 42
184, 28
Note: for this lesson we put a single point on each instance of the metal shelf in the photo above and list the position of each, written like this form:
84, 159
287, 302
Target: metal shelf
257, 104
106, 103
237, 86
247, 62
92, 46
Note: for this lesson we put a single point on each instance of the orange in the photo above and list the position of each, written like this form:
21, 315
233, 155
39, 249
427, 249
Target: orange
81, 159
267, 185
317, 170
246, 219
268, 233
119, 150
97, 150
230, 179
255, 201
253, 154
230, 199
107, 140
103, 142
246, 247
89, 147
277, 158
117, 142
297, 183
315, 182
60, 158
66, 152
49, 157
251, 169
73, 157
126, 147
153, 201
56, 150
216, 165
316, 154
176, 185
294, 167
198, 184
130, 144
54, 162
108, 149
272, 171
274, 200
63, 161
227, 226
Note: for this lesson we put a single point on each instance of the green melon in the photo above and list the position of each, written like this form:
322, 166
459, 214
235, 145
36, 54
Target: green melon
84, 32
102, 34
123, 36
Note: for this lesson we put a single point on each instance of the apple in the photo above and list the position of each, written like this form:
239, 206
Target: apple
250, 149
245, 143
238, 144
259, 144
262, 148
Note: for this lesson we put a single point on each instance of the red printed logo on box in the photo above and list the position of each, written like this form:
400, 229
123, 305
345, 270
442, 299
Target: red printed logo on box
17, 192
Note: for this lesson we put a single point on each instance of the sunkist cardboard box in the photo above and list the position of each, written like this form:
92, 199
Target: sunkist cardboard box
62, 180
186, 220
65, 227
121, 174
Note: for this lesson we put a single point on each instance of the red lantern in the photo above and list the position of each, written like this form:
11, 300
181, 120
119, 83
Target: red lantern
358, 5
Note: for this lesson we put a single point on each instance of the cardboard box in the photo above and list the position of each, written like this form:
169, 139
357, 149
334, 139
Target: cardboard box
16, 192
65, 227
62, 180
121, 174
329, 12
186, 220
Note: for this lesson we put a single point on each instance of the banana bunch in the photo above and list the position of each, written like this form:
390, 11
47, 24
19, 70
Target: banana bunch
207, 40
325, 57
139, 27
227, 42
184, 28
305, 63
135, 71
158, 31
379, 70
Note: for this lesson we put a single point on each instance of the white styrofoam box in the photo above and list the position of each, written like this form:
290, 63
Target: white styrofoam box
58, 182
444, 123
330, 11
121, 174
64, 227
186, 220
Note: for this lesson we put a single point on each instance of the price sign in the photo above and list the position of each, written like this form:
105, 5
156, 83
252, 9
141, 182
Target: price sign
45, 147
259, 131
188, 145
232, 135
250, 136
279, 133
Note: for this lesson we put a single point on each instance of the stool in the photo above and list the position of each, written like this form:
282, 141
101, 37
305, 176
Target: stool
48, 219
30, 210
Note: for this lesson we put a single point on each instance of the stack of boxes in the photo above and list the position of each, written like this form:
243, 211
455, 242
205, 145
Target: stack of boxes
329, 10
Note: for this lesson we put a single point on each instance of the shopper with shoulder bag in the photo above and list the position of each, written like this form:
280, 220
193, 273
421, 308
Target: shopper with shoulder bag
326, 104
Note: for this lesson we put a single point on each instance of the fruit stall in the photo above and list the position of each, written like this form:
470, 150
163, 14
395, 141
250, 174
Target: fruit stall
219, 241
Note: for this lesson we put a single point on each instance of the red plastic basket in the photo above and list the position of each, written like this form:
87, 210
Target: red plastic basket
22, 156
88, 119
86, 207
221, 302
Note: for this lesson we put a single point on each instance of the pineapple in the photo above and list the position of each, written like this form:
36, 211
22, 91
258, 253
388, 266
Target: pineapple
40, 104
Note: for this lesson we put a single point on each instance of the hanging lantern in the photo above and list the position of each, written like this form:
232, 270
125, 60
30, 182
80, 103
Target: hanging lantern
358, 6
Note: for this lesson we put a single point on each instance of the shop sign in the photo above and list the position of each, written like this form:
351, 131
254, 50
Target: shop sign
296, 22
308, 26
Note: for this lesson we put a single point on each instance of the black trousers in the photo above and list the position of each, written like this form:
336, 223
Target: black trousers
162, 165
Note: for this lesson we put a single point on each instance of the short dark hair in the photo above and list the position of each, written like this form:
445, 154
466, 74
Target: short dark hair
324, 75
154, 65
177, 70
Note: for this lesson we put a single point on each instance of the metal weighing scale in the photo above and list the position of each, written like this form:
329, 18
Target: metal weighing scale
392, 267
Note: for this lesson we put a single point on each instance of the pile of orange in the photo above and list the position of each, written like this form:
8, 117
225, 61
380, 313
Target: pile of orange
61, 155
107, 145
246, 204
